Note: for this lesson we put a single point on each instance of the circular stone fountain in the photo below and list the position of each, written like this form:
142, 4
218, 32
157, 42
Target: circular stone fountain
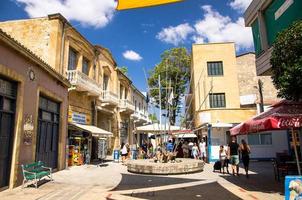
182, 166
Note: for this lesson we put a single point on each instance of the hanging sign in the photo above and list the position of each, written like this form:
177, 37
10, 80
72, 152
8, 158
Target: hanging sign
28, 129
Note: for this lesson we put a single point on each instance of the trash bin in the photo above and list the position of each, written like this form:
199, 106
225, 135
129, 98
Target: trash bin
116, 155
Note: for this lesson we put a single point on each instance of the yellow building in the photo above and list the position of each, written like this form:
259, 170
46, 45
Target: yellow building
213, 105
100, 99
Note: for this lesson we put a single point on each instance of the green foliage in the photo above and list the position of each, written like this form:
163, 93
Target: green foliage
175, 66
124, 70
286, 62
153, 117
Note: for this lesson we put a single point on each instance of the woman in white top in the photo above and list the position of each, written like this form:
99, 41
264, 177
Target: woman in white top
202, 149
195, 151
124, 152
223, 158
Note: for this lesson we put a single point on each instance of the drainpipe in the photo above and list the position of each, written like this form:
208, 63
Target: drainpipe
62, 50
209, 143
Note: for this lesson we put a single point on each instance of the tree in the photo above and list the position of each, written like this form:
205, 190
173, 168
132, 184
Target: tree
124, 70
175, 67
153, 117
286, 62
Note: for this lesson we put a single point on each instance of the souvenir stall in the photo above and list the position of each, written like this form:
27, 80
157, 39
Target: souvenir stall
81, 148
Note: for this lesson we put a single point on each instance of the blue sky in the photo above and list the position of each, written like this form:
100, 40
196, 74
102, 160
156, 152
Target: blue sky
139, 30
137, 37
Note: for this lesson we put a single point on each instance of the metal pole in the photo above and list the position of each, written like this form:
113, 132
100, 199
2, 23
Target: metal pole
159, 96
260, 87
296, 152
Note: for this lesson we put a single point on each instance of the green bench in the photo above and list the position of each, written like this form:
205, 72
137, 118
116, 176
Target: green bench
35, 172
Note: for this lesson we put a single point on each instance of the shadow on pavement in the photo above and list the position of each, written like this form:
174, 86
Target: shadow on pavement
130, 181
100, 163
263, 180
40, 183
210, 191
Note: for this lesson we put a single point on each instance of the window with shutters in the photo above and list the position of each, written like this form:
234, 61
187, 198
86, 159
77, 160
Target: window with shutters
215, 68
217, 100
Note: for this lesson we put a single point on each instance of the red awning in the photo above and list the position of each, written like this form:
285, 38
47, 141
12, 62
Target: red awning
283, 115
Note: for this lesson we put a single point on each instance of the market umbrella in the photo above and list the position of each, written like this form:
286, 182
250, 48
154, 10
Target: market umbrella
282, 115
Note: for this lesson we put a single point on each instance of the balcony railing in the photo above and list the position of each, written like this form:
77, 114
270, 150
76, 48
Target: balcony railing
109, 97
140, 116
126, 105
83, 82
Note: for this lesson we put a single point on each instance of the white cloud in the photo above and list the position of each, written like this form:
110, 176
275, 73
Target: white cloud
175, 35
132, 55
96, 13
212, 27
217, 28
240, 5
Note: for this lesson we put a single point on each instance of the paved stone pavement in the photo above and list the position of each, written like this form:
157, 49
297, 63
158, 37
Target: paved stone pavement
114, 182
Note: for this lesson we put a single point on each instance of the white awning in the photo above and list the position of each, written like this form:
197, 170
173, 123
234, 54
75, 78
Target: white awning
222, 125
187, 135
156, 128
96, 131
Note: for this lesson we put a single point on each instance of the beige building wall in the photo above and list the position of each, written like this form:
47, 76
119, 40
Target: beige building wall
227, 83
41, 35
204, 85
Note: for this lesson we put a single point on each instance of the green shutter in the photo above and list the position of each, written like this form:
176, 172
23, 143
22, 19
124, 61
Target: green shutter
274, 26
256, 36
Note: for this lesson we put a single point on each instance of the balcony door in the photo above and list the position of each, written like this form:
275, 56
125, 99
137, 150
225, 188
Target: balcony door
105, 83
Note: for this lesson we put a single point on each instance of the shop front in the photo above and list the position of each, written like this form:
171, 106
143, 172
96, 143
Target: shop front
85, 141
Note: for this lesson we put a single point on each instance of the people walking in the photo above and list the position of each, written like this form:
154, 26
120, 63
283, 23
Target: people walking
191, 144
169, 146
124, 152
245, 151
233, 152
185, 149
202, 149
195, 151
223, 159
179, 150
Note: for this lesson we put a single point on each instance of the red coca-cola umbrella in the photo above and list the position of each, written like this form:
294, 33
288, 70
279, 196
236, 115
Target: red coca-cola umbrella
282, 115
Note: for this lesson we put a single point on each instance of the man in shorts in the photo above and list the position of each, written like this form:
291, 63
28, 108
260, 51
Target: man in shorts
233, 152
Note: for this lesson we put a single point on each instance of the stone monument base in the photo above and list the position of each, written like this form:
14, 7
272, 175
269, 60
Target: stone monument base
181, 166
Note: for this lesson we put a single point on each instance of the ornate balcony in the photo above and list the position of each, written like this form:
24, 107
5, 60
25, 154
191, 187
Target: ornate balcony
83, 83
109, 98
140, 117
126, 106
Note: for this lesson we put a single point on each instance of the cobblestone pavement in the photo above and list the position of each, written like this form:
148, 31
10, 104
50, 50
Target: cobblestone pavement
114, 182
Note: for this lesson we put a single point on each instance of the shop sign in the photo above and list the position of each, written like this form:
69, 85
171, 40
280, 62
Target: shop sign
28, 129
78, 118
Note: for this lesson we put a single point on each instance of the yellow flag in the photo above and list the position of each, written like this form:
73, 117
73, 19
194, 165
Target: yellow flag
129, 4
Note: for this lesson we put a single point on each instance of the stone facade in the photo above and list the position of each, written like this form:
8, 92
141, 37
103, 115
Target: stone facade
100, 92
248, 80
